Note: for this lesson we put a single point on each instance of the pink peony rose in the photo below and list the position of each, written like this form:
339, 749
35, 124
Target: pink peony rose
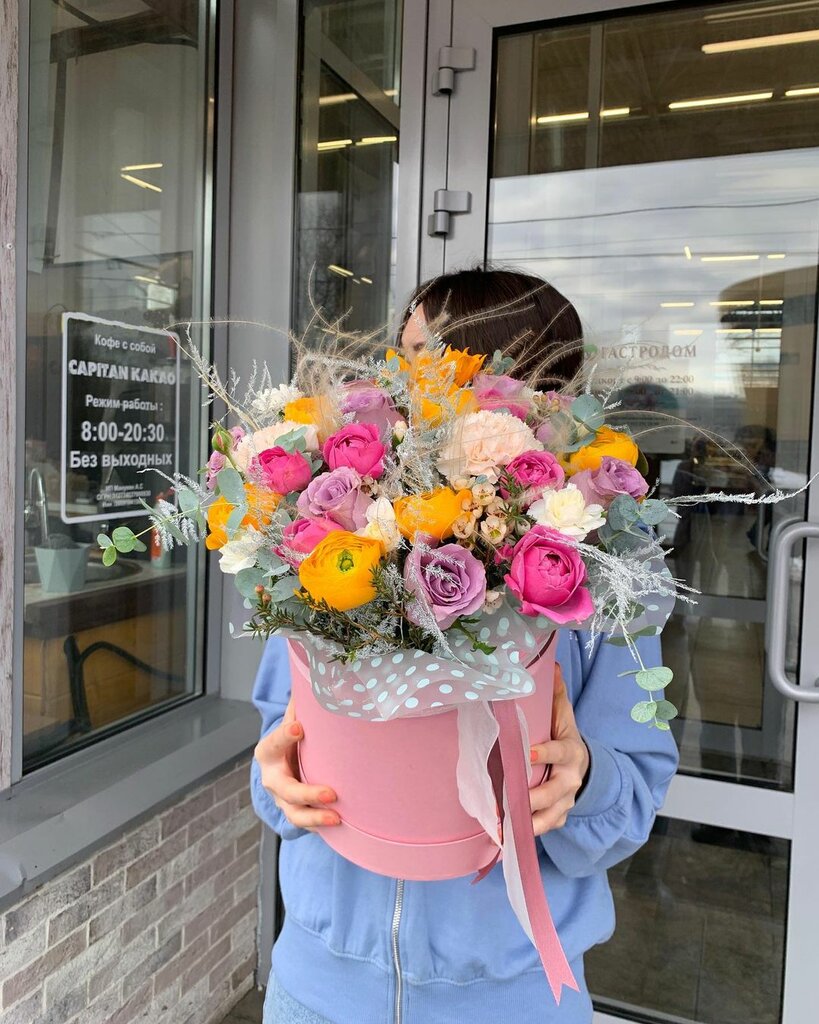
536, 472
358, 447
501, 392
280, 470
612, 477
547, 575
338, 496
218, 461
301, 536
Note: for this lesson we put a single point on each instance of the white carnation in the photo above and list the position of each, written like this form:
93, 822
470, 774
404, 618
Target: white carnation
484, 442
240, 552
252, 445
271, 401
566, 510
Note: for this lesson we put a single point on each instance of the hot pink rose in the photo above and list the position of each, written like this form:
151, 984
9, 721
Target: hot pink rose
547, 575
536, 472
501, 392
612, 477
280, 470
358, 447
301, 536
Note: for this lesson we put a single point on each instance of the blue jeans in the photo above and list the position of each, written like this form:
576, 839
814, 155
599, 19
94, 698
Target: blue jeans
281, 1008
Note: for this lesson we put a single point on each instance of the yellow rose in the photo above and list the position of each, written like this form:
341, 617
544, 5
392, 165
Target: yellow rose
433, 513
339, 570
261, 504
607, 442
466, 365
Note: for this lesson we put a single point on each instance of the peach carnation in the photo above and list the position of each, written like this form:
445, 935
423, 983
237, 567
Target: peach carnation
484, 442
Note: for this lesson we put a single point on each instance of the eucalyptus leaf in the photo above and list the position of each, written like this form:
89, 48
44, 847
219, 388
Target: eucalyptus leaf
234, 520
247, 580
138, 545
284, 589
230, 485
588, 410
104, 540
644, 711
123, 539
623, 513
653, 511
666, 710
188, 501
662, 725
654, 678
109, 556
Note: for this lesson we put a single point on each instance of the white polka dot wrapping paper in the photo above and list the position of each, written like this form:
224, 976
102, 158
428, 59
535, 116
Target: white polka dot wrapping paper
414, 683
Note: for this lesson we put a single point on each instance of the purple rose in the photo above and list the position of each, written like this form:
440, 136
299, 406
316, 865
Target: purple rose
280, 470
536, 472
495, 392
357, 446
336, 495
301, 536
218, 461
369, 404
612, 477
555, 403
547, 576
451, 580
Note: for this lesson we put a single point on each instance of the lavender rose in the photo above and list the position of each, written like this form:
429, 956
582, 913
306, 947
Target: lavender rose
336, 495
495, 392
451, 581
612, 477
369, 404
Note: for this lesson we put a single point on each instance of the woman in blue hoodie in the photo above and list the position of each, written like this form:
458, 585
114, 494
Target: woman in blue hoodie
360, 948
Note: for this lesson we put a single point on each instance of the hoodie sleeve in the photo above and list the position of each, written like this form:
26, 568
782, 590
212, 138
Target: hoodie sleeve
271, 694
631, 764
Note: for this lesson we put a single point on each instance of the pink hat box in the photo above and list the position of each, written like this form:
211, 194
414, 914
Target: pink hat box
396, 781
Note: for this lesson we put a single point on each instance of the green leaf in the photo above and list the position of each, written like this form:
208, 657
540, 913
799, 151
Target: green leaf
234, 520
623, 513
662, 725
293, 441
617, 641
654, 678
653, 511
666, 710
588, 410
188, 500
109, 556
642, 464
123, 539
284, 589
247, 580
230, 485
644, 711
138, 545
104, 541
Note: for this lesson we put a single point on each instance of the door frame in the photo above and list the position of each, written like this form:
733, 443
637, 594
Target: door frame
452, 155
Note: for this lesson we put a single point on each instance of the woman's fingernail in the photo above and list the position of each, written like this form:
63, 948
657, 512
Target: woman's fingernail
295, 730
327, 797
331, 819
533, 755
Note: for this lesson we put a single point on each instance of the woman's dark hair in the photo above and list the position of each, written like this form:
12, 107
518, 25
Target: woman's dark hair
520, 314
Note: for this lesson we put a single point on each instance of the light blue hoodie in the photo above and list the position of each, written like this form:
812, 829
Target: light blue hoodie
358, 947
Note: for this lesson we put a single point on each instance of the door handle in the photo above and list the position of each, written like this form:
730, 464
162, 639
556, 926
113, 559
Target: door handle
779, 568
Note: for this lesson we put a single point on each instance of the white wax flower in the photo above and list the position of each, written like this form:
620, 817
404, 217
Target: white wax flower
240, 552
271, 401
566, 510
484, 442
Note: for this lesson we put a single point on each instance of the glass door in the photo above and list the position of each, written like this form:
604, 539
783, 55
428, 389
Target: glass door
661, 168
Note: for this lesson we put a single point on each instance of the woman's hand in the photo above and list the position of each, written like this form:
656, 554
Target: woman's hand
304, 806
569, 757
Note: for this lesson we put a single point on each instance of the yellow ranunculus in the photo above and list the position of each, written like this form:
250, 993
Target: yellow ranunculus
608, 442
339, 570
317, 411
457, 403
466, 365
432, 513
261, 504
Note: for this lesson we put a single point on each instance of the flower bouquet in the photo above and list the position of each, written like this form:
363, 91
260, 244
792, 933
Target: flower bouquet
419, 532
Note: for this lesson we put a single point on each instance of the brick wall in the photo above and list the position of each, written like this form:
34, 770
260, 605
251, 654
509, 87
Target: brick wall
157, 927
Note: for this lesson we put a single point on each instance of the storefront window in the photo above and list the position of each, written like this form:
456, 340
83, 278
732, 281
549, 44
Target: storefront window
120, 112
348, 166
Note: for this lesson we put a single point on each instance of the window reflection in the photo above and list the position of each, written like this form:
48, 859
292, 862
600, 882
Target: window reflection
118, 157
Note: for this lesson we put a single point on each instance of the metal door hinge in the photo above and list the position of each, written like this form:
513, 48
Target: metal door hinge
445, 203
450, 60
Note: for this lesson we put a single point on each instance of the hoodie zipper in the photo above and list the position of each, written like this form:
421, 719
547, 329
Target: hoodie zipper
398, 907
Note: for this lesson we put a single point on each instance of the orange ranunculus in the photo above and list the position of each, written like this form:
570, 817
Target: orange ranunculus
457, 403
339, 570
316, 410
432, 513
466, 365
607, 442
261, 504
